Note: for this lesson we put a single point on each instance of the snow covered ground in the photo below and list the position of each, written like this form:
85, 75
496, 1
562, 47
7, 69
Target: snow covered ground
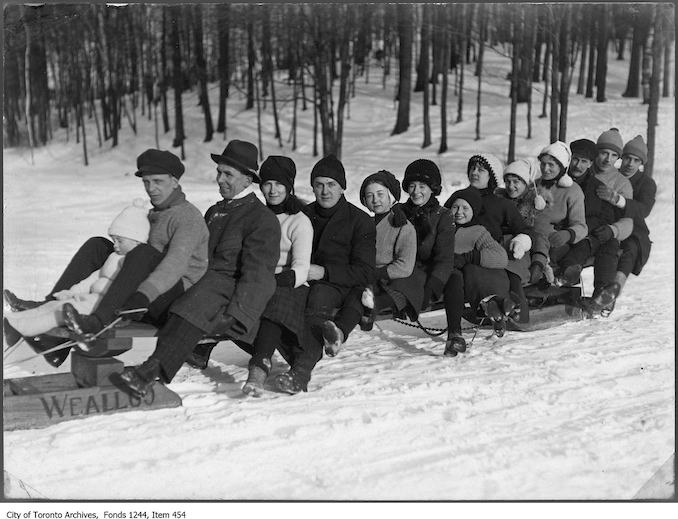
583, 411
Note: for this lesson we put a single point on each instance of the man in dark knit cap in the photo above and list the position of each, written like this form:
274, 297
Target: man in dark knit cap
153, 275
342, 265
635, 250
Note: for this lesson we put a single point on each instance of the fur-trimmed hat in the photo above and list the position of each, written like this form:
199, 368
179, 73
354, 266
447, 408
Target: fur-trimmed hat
426, 171
330, 167
584, 148
637, 147
279, 168
241, 155
132, 222
386, 179
492, 164
610, 140
471, 195
159, 162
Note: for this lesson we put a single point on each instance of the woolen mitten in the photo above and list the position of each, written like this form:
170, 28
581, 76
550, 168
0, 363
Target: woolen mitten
603, 233
560, 238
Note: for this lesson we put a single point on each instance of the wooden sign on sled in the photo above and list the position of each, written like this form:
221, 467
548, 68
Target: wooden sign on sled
40, 401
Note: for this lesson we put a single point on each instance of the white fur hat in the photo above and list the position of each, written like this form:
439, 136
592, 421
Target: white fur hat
559, 151
491, 163
132, 222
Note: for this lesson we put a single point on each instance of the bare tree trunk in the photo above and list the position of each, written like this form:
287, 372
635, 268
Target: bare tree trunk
554, 17
224, 63
405, 61
201, 68
251, 58
423, 68
179, 136
515, 68
445, 68
601, 63
653, 107
462, 53
28, 27
482, 20
256, 94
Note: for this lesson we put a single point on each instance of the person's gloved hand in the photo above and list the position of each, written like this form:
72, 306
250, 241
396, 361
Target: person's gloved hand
135, 307
459, 261
603, 233
559, 238
607, 194
433, 289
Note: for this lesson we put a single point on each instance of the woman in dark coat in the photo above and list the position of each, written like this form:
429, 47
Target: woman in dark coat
434, 226
283, 318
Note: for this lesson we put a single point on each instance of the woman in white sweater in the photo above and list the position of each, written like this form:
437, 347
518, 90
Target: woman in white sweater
396, 246
128, 229
283, 319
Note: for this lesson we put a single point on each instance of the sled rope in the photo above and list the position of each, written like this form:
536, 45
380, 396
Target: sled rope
433, 332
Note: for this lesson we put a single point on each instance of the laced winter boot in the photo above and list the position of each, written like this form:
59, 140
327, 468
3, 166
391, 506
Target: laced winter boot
82, 327
291, 382
200, 356
455, 344
333, 337
492, 306
255, 381
137, 381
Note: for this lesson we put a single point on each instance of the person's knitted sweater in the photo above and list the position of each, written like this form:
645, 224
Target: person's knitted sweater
179, 231
296, 240
612, 178
396, 248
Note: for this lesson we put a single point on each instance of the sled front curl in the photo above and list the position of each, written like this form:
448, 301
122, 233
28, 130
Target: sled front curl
40, 401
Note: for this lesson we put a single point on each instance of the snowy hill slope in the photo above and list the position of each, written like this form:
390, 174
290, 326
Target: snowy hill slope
582, 411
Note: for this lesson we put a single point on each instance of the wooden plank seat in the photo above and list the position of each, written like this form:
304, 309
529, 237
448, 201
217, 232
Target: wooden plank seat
557, 305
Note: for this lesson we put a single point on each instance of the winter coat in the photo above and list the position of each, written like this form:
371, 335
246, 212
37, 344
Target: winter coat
597, 211
564, 210
346, 247
396, 248
396, 257
434, 226
243, 249
612, 178
178, 231
638, 208
525, 204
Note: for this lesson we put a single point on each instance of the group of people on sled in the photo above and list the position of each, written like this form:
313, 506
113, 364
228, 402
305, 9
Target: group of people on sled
298, 278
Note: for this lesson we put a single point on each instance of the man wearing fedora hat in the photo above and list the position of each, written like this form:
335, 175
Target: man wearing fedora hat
243, 250
154, 274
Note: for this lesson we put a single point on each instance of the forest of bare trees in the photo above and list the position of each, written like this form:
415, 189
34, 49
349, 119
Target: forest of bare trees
67, 63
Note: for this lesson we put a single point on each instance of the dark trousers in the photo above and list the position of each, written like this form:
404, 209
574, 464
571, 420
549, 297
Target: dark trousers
605, 258
138, 265
269, 337
176, 341
323, 299
471, 285
630, 253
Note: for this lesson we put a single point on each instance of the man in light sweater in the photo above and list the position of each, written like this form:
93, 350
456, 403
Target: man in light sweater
154, 274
